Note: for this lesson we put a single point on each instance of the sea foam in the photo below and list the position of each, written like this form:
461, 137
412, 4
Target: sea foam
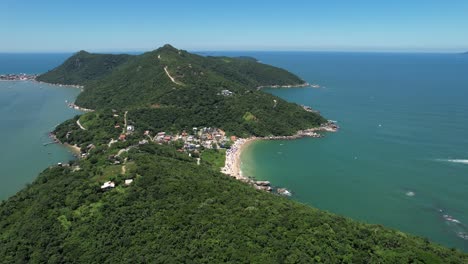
463, 161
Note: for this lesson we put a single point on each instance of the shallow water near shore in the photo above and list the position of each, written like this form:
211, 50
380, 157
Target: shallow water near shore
401, 156
29, 111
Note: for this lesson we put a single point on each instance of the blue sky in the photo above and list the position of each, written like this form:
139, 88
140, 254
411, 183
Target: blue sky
318, 25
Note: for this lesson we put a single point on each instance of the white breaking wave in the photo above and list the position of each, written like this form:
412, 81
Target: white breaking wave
463, 161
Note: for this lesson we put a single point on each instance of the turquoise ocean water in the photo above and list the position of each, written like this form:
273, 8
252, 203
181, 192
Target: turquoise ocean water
28, 111
401, 156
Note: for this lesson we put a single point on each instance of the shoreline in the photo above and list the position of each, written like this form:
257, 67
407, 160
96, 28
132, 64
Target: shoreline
60, 85
41, 82
73, 148
305, 84
232, 165
70, 105
74, 106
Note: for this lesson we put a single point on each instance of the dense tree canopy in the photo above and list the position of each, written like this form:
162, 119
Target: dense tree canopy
175, 210
142, 86
178, 212
84, 67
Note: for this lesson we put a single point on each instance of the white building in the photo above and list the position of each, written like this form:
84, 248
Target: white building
108, 185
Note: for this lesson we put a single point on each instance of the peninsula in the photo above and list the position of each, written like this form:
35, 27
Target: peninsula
147, 186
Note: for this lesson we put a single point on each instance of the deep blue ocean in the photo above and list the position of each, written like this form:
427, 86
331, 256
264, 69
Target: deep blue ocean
30, 63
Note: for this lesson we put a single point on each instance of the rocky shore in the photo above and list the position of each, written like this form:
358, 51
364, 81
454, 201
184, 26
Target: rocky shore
287, 86
73, 148
74, 106
62, 85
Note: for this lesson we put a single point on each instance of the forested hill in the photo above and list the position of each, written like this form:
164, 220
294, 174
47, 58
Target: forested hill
145, 79
169, 202
84, 67
178, 212
190, 90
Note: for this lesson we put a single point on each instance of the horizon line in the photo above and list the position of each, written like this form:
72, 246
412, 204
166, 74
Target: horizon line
241, 50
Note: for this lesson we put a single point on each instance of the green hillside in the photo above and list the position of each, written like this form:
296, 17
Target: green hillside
178, 212
195, 96
145, 81
178, 209
84, 67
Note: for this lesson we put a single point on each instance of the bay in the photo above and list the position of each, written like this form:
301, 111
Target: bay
29, 111
400, 158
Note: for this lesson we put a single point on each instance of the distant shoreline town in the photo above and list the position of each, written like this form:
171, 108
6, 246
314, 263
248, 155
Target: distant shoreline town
33, 78
18, 77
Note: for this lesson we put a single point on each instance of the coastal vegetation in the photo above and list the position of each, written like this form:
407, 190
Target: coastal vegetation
207, 91
137, 195
215, 158
176, 211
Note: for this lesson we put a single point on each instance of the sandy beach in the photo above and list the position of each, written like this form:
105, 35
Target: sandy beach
74, 149
232, 165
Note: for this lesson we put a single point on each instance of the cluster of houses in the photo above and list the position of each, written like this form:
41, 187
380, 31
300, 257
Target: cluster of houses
195, 140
